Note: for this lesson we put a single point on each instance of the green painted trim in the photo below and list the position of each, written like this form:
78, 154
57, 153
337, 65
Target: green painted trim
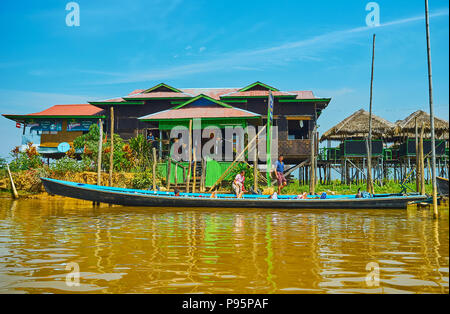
105, 103
177, 102
260, 84
202, 96
306, 100
161, 85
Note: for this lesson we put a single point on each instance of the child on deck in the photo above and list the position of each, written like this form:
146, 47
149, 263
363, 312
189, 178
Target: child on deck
238, 184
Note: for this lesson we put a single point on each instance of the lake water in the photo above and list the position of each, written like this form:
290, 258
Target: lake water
141, 250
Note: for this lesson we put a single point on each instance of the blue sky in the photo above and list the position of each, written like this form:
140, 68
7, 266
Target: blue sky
324, 46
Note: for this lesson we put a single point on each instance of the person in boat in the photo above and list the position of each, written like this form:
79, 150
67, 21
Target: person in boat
363, 194
213, 194
238, 184
176, 192
274, 196
303, 196
279, 171
323, 196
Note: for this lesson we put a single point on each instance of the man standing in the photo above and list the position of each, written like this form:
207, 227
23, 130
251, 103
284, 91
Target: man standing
282, 182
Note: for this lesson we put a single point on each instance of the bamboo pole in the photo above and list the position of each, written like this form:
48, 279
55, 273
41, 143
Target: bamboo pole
194, 180
255, 169
190, 157
203, 175
111, 157
312, 180
154, 169
176, 174
417, 156
100, 150
430, 176
370, 188
237, 158
13, 186
422, 163
169, 171
430, 89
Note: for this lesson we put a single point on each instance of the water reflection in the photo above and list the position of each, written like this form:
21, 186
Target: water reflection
137, 250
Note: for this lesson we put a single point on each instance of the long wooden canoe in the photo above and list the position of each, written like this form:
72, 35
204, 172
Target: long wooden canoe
130, 197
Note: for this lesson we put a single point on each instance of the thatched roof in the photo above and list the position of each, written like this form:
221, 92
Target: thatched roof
407, 126
357, 126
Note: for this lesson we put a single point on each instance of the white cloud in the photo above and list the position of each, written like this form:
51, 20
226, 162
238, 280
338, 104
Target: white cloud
301, 50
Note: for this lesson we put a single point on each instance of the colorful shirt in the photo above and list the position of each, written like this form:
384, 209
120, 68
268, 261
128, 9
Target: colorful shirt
239, 178
280, 166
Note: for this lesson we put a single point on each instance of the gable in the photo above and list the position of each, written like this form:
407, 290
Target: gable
203, 101
161, 88
258, 86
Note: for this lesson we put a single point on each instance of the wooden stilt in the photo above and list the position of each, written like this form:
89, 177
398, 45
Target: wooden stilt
312, 181
154, 168
111, 157
417, 157
194, 181
255, 168
169, 172
203, 188
190, 157
422, 162
100, 150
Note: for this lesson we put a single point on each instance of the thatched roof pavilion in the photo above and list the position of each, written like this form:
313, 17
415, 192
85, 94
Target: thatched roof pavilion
407, 127
357, 126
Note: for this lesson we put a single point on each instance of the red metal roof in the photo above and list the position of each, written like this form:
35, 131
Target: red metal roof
159, 95
215, 93
201, 112
69, 110
211, 92
257, 93
304, 94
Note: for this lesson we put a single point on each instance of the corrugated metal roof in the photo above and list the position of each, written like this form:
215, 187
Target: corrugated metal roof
215, 93
159, 95
211, 92
70, 110
201, 112
257, 93
304, 94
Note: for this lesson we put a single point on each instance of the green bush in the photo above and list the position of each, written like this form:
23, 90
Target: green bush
3, 163
142, 180
27, 160
67, 164
141, 151
89, 143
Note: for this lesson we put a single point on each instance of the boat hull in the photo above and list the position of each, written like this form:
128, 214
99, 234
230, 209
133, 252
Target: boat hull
442, 185
147, 199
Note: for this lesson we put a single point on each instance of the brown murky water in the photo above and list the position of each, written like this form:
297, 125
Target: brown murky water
138, 250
